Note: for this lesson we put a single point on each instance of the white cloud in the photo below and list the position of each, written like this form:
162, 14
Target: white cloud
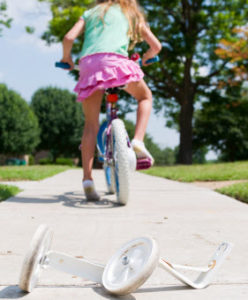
29, 13
33, 40
1, 76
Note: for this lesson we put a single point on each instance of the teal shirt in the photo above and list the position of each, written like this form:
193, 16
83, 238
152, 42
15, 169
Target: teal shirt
110, 36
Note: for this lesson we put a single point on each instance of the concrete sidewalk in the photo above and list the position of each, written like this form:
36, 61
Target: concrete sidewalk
188, 222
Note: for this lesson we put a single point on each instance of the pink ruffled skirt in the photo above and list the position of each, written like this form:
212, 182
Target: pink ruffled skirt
105, 70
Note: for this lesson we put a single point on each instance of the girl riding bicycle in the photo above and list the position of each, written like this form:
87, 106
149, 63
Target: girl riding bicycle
110, 29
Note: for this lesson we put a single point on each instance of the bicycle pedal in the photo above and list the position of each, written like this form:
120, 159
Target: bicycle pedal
143, 163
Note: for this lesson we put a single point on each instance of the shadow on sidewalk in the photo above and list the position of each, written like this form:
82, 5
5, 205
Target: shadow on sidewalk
12, 292
163, 289
102, 292
70, 199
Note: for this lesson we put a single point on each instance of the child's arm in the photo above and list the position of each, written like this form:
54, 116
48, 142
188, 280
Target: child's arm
68, 40
152, 41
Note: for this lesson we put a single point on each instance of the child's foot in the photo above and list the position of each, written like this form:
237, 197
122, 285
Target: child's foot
89, 190
141, 151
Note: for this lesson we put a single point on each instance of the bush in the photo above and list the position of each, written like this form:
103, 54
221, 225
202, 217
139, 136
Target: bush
19, 131
31, 160
60, 120
65, 161
45, 161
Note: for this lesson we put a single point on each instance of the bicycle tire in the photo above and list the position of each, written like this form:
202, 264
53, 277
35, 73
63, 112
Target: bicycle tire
121, 161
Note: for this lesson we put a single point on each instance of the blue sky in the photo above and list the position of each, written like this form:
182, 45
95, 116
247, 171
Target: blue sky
27, 63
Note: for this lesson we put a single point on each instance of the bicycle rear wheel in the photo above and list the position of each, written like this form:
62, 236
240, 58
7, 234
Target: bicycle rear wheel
120, 161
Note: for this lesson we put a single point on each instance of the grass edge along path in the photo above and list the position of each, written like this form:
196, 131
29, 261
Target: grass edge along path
205, 172
36, 172
7, 191
238, 191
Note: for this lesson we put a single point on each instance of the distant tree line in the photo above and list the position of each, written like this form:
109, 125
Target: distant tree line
53, 121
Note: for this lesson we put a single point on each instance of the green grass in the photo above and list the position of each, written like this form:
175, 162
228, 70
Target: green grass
207, 172
14, 173
7, 191
238, 191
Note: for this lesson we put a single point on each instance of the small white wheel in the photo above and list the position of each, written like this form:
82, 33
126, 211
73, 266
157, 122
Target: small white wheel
131, 266
35, 258
121, 161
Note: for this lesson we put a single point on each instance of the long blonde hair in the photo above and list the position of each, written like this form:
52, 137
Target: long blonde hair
133, 13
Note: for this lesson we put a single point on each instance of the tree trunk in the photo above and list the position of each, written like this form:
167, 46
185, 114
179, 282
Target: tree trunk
185, 148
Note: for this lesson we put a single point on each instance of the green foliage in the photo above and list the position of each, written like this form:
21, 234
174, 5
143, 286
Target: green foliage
4, 20
60, 120
30, 29
207, 172
199, 155
31, 161
7, 191
238, 191
65, 13
222, 124
19, 132
59, 161
190, 32
45, 161
64, 161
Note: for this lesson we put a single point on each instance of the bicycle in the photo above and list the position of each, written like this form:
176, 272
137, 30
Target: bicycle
114, 146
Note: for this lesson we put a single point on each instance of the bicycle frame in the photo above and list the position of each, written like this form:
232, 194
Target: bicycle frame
111, 112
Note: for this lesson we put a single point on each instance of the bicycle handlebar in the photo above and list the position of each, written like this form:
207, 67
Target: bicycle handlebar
149, 61
66, 66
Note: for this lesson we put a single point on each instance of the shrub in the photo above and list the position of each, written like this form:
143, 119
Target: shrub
19, 131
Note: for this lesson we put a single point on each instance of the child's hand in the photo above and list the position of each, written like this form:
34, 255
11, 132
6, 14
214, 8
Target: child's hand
148, 55
69, 61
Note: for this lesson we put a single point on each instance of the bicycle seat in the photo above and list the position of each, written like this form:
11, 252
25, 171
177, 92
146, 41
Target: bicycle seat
115, 90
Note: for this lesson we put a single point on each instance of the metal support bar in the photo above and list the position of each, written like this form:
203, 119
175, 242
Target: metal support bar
75, 266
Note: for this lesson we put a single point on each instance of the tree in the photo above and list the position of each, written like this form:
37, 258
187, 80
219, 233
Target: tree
60, 121
4, 20
222, 124
19, 131
189, 31
235, 52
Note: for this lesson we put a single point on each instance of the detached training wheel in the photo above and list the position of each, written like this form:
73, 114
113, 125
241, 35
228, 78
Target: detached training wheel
130, 266
35, 258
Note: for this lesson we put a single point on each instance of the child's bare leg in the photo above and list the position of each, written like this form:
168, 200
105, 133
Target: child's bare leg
141, 92
91, 109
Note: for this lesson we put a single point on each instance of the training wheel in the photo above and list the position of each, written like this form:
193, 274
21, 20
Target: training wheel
35, 258
130, 266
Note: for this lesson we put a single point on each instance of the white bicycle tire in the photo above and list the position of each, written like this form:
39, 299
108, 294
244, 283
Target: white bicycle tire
121, 161
34, 258
141, 255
